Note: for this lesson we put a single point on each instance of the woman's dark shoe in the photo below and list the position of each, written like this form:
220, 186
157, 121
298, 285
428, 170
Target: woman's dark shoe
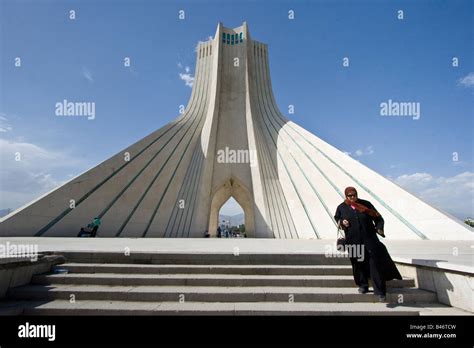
382, 298
363, 290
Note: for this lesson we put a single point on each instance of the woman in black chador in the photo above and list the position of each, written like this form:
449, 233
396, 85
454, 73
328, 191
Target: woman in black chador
361, 223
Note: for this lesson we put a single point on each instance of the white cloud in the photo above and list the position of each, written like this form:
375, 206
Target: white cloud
186, 76
397, 165
468, 80
24, 180
87, 75
369, 150
4, 125
454, 195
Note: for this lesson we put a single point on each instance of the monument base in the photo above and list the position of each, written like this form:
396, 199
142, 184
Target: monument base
224, 277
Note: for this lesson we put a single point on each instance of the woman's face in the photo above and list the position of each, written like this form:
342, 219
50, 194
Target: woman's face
352, 196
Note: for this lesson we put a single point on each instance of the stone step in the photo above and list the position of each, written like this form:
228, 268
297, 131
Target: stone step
232, 257
213, 294
208, 269
207, 280
62, 307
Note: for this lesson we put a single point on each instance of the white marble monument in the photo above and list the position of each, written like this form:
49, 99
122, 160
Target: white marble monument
231, 140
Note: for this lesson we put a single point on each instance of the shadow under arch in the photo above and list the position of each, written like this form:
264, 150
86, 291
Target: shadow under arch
232, 187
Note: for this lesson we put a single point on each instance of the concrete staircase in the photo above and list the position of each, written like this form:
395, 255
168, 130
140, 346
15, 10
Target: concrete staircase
211, 284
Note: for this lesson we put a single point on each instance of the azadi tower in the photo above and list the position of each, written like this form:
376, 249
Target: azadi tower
173, 182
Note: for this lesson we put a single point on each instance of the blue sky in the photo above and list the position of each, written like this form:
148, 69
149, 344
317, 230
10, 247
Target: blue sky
406, 60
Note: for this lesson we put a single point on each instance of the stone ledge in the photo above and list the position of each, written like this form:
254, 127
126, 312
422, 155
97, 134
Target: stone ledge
19, 271
437, 264
452, 283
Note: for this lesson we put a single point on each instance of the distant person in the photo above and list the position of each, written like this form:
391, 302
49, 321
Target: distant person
361, 223
94, 226
206, 234
91, 229
84, 233
219, 232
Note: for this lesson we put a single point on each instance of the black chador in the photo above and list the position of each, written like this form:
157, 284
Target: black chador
361, 223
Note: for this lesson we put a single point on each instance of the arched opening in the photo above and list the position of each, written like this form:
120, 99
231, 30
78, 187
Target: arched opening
232, 187
231, 220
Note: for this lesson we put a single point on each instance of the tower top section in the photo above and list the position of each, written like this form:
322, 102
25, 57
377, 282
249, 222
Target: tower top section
235, 40
232, 36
